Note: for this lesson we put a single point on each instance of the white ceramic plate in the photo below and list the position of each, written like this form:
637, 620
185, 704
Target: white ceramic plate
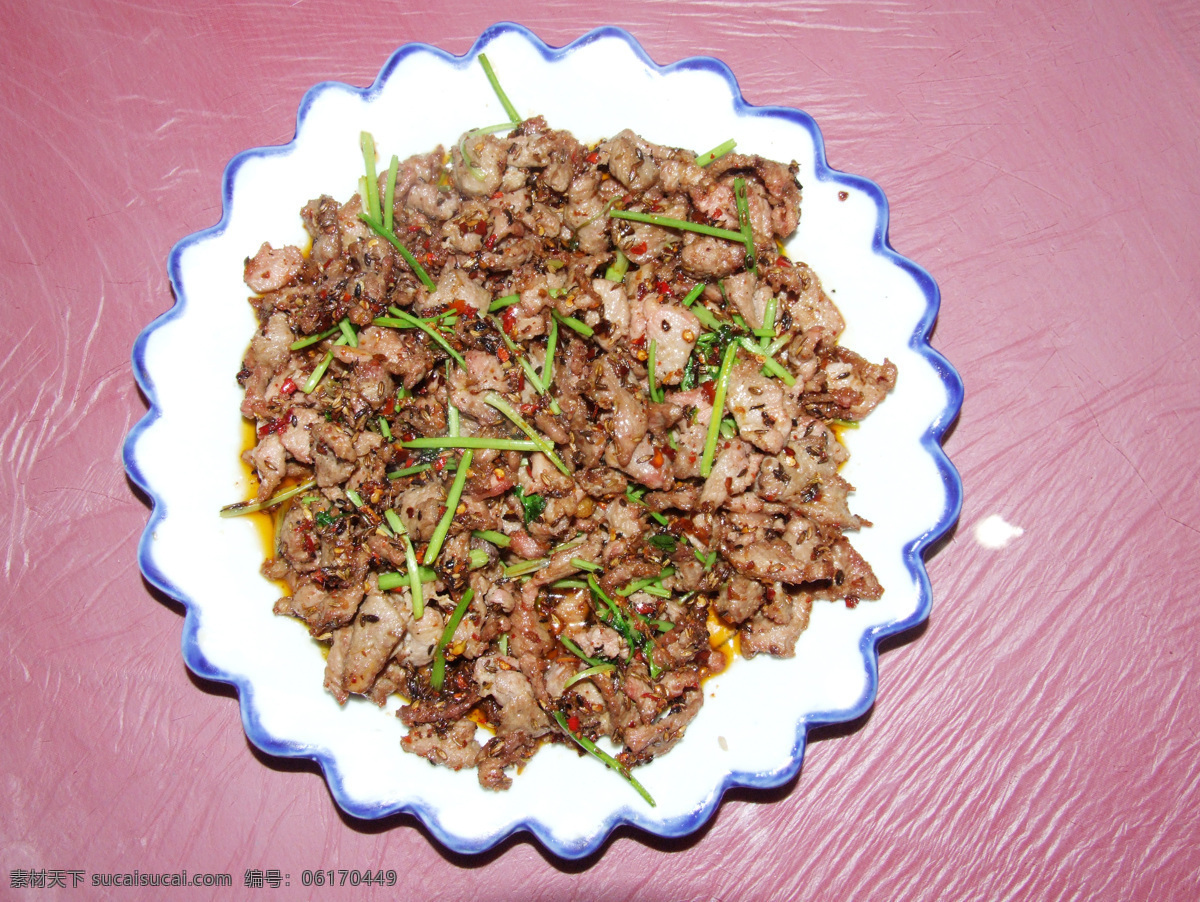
184, 453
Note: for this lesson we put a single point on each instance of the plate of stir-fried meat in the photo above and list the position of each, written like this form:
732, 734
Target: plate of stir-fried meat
541, 462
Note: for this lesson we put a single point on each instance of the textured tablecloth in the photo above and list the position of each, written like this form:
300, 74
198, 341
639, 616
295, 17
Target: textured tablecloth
1037, 739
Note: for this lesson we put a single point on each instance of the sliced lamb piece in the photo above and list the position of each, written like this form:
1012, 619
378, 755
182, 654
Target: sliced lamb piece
321, 610
646, 741
711, 258
674, 329
455, 284
734, 470
502, 752
335, 664
452, 746
763, 407
500, 677
270, 269
482, 176
776, 627
740, 598
375, 633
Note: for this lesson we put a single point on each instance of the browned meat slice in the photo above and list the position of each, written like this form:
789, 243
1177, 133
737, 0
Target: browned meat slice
451, 746
776, 627
270, 269
321, 610
502, 752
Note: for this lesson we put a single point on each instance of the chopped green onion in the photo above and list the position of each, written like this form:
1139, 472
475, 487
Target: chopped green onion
384, 429
612, 763
589, 672
416, 267
718, 409
403, 319
409, 471
354, 497
348, 333
770, 364
471, 441
389, 192
452, 423
663, 626
620, 265
670, 223
498, 539
495, 83
443, 527
314, 379
543, 444
507, 301
548, 360
707, 320
313, 339
767, 332
639, 584
389, 581
716, 153
524, 567
581, 327
503, 644
477, 558
394, 521
655, 394
568, 584
706, 559
658, 592
414, 578
577, 651
585, 565
367, 142
250, 507
743, 209
439, 656
690, 297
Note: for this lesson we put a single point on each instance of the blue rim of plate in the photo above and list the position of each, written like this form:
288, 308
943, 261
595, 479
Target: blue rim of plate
913, 552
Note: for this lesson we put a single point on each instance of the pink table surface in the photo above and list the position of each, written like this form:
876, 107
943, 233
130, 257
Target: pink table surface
1037, 739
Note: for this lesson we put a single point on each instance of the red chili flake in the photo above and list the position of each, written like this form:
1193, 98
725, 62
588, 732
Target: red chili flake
288, 387
639, 248
670, 452
439, 464
390, 407
573, 723
656, 207
657, 461
594, 157
490, 242
639, 342
502, 353
408, 436
481, 228
662, 287
851, 601
462, 308
528, 409
414, 228
509, 321
783, 261
710, 390
498, 195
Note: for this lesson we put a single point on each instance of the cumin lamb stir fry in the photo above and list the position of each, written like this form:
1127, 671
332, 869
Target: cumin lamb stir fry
509, 502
